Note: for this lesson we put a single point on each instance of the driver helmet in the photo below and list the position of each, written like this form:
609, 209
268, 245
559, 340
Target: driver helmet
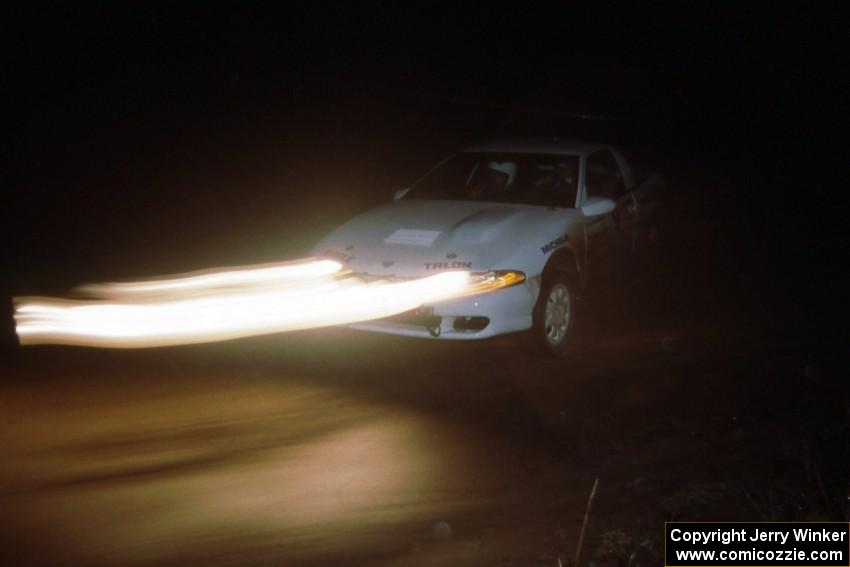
506, 167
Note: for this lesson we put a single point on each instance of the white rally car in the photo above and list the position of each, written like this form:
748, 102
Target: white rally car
548, 217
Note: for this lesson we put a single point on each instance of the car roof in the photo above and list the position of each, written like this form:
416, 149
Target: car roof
569, 146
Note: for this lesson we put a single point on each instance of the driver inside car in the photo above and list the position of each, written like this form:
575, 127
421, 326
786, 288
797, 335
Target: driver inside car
494, 181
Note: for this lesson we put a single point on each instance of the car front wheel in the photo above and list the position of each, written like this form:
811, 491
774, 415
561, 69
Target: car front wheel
554, 315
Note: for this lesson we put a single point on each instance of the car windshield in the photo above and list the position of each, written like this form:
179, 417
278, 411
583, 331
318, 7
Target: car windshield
528, 179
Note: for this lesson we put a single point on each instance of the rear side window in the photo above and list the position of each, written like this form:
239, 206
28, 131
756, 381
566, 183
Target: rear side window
604, 178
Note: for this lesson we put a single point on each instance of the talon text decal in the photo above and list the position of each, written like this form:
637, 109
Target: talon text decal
447, 265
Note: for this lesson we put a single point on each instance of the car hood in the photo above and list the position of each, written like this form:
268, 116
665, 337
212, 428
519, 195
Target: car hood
412, 237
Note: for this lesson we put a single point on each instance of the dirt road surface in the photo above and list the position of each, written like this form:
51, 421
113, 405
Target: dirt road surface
336, 447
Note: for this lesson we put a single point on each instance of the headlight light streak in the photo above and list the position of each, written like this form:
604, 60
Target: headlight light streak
215, 279
233, 303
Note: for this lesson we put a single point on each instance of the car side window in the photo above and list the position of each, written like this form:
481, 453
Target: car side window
604, 178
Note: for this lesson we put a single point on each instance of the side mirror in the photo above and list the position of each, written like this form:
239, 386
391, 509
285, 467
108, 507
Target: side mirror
400, 193
595, 206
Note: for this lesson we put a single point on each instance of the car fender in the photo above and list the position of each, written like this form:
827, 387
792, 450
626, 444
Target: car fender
558, 251
564, 260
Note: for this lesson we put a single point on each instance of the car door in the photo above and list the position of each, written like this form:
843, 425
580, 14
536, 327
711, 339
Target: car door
610, 236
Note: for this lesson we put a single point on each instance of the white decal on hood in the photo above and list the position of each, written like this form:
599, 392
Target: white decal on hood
413, 237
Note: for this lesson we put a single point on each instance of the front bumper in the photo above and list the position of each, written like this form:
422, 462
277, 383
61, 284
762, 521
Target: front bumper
507, 310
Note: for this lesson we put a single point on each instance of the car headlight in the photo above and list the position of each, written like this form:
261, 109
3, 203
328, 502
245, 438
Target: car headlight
480, 282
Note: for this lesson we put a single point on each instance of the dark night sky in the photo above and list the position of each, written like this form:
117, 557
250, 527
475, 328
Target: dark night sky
703, 66
142, 121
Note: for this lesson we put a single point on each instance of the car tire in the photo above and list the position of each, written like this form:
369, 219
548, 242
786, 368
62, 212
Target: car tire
553, 320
